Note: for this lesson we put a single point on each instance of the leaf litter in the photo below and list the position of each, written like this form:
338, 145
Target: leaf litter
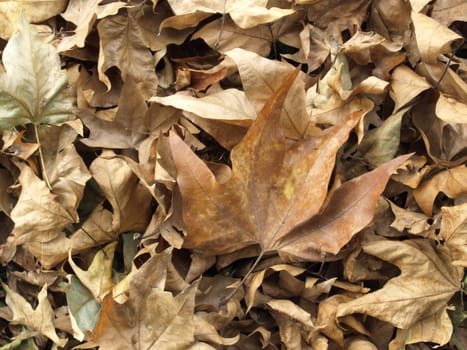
201, 175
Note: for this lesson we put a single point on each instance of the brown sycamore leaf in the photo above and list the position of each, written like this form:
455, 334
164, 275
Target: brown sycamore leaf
244, 14
432, 38
83, 14
123, 46
151, 318
274, 191
34, 10
454, 231
38, 214
426, 283
40, 319
451, 182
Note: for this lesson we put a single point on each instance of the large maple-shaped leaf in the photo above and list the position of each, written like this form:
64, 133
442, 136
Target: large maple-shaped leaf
275, 195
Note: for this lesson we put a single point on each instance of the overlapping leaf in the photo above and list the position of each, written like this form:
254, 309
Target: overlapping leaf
276, 191
33, 88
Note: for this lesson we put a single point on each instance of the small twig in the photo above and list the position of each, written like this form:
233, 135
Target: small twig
216, 45
242, 282
445, 70
41, 158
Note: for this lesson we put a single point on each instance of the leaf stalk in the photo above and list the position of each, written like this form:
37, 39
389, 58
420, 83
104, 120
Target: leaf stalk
41, 158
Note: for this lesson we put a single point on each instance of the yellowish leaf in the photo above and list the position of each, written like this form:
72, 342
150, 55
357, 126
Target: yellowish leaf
40, 319
433, 39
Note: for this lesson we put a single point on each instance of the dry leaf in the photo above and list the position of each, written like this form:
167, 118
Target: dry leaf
38, 215
432, 38
98, 277
451, 182
151, 318
29, 64
40, 319
124, 47
83, 14
35, 11
417, 292
245, 15
454, 232
212, 106
222, 218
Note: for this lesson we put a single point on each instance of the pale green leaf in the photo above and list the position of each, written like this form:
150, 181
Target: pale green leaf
380, 145
84, 309
33, 88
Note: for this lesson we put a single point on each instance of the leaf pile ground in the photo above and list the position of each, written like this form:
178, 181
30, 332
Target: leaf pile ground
233, 174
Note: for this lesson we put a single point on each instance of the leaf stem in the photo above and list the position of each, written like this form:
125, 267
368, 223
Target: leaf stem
242, 282
41, 158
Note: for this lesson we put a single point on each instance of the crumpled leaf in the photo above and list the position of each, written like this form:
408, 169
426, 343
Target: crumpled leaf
33, 88
40, 319
244, 14
224, 217
405, 86
450, 110
122, 189
451, 182
426, 283
380, 145
34, 10
83, 308
98, 277
38, 214
83, 14
454, 232
151, 318
123, 46
432, 38
212, 106
444, 142
127, 128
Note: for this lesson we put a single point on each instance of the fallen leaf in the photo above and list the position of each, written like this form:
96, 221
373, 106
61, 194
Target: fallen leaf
151, 318
405, 86
34, 10
98, 277
84, 14
127, 128
380, 145
83, 308
448, 11
123, 46
450, 110
433, 39
245, 15
39, 319
257, 279
129, 199
38, 214
451, 182
30, 63
454, 232
444, 142
225, 217
212, 106
426, 283
261, 78
414, 222
257, 39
